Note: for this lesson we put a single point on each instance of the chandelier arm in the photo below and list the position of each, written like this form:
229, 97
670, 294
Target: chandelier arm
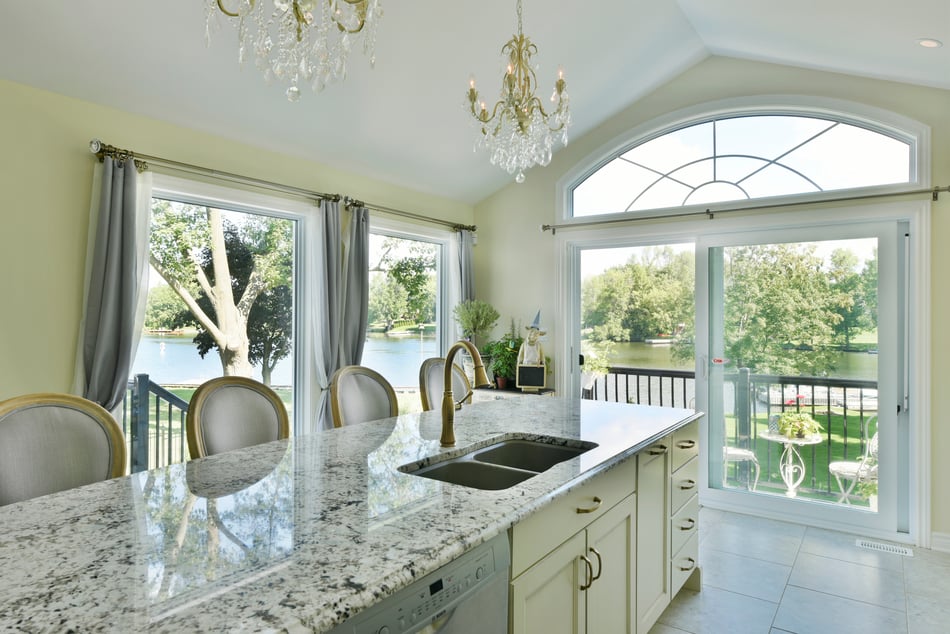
360, 6
236, 14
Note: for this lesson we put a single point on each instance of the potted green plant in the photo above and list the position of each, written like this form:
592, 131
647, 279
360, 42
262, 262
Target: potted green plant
504, 358
797, 424
476, 318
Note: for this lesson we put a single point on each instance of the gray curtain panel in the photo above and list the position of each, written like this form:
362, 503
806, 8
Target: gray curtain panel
356, 301
342, 293
466, 241
115, 286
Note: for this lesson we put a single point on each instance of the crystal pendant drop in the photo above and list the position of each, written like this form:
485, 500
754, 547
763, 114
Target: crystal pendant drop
293, 94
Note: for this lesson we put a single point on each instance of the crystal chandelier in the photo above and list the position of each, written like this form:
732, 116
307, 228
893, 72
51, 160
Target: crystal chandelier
301, 41
518, 132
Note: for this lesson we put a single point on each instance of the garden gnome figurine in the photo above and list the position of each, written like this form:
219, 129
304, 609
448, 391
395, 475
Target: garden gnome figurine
531, 352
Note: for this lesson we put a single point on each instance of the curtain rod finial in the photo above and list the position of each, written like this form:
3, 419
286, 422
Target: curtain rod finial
95, 145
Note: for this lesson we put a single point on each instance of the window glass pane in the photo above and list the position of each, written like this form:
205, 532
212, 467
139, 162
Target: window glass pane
733, 169
695, 174
403, 309
665, 193
666, 153
851, 157
220, 302
715, 193
765, 136
776, 180
609, 189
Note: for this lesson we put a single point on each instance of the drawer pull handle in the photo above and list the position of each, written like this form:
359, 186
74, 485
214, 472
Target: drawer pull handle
688, 524
600, 565
590, 573
657, 450
690, 566
686, 485
591, 509
686, 444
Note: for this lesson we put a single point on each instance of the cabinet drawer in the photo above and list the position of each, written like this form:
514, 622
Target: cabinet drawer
684, 524
685, 445
684, 484
539, 534
683, 563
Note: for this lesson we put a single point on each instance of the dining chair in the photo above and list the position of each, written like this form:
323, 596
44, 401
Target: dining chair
51, 442
233, 412
856, 471
359, 394
431, 381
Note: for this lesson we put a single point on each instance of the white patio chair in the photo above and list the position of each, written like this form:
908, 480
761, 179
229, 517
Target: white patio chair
855, 471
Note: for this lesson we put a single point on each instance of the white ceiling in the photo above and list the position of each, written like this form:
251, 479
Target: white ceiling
404, 121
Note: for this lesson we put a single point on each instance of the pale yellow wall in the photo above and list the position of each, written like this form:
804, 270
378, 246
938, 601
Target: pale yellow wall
508, 221
45, 180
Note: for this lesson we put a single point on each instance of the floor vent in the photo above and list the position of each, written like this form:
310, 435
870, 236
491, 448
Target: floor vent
885, 548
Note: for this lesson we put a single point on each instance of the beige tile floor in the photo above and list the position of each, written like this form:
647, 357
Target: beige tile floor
766, 577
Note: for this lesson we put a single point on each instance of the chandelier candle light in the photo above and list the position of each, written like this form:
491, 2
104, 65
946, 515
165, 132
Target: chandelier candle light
301, 40
518, 132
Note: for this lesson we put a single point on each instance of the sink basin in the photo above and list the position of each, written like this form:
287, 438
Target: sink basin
477, 475
530, 454
502, 464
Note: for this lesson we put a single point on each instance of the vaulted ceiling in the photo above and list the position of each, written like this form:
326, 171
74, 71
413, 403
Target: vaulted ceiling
404, 121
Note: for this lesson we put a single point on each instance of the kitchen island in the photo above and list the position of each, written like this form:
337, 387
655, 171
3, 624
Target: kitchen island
293, 535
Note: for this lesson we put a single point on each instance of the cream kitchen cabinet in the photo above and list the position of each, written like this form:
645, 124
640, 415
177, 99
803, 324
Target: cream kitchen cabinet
585, 584
653, 562
573, 562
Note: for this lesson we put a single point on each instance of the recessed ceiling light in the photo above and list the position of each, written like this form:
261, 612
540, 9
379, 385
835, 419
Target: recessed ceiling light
928, 42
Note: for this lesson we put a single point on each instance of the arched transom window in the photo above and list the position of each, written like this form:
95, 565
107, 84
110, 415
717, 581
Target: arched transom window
744, 157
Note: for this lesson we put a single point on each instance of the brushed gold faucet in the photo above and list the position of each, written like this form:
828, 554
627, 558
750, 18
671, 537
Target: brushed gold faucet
448, 399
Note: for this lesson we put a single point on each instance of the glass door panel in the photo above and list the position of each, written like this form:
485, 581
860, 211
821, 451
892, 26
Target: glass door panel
803, 352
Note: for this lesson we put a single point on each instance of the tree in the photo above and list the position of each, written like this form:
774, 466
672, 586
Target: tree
850, 304
387, 300
189, 248
780, 310
162, 308
412, 265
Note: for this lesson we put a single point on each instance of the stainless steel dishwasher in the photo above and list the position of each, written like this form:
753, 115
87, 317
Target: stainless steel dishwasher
468, 595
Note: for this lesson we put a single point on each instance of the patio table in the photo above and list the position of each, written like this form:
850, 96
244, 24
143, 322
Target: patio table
791, 464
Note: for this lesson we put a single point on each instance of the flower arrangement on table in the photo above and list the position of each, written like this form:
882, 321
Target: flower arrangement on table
797, 424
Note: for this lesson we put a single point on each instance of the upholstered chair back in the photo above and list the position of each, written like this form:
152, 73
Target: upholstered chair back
359, 394
431, 376
232, 412
53, 442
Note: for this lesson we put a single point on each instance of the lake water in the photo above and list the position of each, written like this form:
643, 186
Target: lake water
174, 360
849, 365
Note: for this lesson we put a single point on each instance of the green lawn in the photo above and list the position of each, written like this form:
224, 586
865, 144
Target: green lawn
818, 482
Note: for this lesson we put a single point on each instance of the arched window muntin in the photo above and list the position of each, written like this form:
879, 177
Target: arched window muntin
827, 114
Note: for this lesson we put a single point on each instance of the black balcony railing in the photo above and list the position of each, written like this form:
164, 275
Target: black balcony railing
845, 408
153, 420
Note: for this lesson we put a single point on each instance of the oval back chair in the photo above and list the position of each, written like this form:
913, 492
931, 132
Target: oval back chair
431, 379
233, 412
359, 394
52, 442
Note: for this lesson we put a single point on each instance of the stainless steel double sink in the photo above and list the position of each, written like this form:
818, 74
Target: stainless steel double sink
501, 464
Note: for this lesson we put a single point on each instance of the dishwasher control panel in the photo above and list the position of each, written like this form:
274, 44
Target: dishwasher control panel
432, 598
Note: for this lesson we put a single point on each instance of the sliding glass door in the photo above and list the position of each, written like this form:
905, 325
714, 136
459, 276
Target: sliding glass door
801, 359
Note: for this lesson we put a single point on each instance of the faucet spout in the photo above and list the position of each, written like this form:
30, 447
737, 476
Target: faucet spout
448, 398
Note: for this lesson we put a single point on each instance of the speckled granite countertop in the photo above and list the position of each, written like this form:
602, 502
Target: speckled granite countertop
290, 536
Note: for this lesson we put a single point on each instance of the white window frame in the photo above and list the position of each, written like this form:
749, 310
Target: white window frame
290, 208
892, 124
449, 275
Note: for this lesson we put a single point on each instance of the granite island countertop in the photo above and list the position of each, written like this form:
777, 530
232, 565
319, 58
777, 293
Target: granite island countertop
294, 535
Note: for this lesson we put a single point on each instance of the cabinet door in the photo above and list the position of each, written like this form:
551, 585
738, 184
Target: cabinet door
547, 598
653, 512
611, 546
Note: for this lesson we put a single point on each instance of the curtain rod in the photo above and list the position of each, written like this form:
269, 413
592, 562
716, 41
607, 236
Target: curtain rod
711, 213
102, 150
